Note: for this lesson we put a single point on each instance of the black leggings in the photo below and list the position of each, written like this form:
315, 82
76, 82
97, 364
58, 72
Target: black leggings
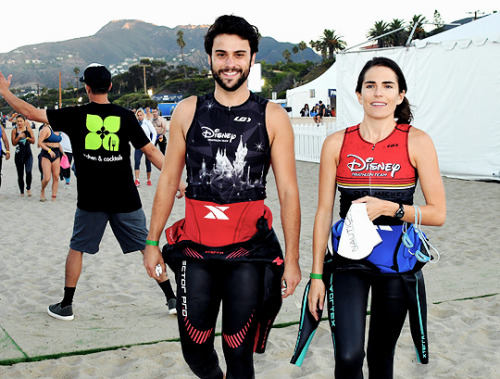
347, 305
23, 164
201, 287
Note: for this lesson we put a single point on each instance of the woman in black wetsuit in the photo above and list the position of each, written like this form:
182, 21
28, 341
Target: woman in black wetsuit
22, 138
377, 163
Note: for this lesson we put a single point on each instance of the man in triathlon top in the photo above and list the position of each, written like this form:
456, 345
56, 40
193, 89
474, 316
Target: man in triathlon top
225, 250
100, 134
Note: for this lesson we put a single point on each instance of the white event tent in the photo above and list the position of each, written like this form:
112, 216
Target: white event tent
454, 87
312, 92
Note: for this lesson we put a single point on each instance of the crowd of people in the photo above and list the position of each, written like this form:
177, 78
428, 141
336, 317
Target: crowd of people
224, 252
318, 112
55, 158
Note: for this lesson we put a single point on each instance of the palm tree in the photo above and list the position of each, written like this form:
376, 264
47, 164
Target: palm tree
416, 24
302, 47
397, 38
379, 28
286, 54
182, 44
332, 42
319, 47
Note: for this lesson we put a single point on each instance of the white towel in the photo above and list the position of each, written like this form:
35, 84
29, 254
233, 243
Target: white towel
359, 235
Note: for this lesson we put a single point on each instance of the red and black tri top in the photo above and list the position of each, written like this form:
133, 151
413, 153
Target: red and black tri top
381, 170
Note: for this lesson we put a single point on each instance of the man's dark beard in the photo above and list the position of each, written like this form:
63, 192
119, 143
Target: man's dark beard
238, 84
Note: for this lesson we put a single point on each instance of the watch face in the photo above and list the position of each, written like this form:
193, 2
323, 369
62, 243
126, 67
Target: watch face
400, 212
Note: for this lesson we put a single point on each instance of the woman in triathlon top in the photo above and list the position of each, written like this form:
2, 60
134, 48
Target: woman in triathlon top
50, 158
376, 162
22, 138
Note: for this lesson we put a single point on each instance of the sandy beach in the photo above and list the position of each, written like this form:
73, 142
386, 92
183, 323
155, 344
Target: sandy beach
122, 328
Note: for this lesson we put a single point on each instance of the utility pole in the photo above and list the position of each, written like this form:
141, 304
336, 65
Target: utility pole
60, 91
476, 13
144, 74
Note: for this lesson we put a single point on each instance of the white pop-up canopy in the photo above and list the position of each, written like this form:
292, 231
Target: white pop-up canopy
454, 87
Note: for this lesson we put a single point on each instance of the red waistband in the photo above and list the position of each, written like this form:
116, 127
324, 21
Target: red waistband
212, 224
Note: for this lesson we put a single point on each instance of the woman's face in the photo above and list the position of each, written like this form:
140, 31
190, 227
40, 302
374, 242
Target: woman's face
19, 122
140, 116
380, 93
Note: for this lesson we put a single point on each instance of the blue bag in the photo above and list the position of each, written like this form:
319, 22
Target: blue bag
401, 248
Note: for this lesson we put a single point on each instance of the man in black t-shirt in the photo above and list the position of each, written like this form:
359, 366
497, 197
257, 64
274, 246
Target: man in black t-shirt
321, 113
100, 134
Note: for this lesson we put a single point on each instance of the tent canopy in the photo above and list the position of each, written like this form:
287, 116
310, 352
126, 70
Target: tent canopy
312, 92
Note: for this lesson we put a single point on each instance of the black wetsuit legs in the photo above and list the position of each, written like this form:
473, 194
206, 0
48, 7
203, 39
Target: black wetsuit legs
347, 305
23, 164
201, 286
388, 313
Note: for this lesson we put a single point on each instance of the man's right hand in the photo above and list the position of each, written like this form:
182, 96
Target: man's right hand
152, 258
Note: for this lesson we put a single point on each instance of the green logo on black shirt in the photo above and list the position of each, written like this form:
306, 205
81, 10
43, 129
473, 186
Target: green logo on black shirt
102, 133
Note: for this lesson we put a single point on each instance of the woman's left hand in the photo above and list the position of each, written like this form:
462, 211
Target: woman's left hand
376, 207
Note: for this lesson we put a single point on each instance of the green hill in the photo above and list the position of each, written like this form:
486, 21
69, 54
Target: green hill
118, 45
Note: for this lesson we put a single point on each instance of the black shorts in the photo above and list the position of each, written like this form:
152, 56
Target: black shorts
46, 154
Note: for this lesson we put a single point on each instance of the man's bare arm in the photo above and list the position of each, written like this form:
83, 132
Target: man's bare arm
26, 109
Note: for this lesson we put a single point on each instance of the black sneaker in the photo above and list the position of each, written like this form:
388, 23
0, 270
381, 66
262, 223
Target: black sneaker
172, 306
61, 313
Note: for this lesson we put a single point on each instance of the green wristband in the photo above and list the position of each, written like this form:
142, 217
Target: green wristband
315, 276
152, 243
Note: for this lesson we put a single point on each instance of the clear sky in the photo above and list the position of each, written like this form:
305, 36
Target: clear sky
30, 22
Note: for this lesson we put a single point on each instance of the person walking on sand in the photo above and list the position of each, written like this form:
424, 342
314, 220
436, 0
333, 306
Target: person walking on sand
22, 138
225, 250
396, 155
100, 135
150, 132
65, 173
50, 159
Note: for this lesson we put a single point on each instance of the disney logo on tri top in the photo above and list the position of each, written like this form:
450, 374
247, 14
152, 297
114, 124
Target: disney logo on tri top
358, 164
216, 135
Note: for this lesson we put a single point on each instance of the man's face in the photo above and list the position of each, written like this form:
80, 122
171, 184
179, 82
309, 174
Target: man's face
231, 61
155, 113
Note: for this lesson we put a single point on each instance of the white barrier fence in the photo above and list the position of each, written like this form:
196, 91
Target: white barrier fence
309, 139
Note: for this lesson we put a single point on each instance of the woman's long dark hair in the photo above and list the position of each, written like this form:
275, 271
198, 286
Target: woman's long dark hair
403, 113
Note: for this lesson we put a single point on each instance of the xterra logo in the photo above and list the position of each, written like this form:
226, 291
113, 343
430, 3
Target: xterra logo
216, 212
102, 133
242, 119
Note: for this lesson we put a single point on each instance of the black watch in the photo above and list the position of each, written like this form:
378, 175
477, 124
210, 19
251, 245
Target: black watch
400, 212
